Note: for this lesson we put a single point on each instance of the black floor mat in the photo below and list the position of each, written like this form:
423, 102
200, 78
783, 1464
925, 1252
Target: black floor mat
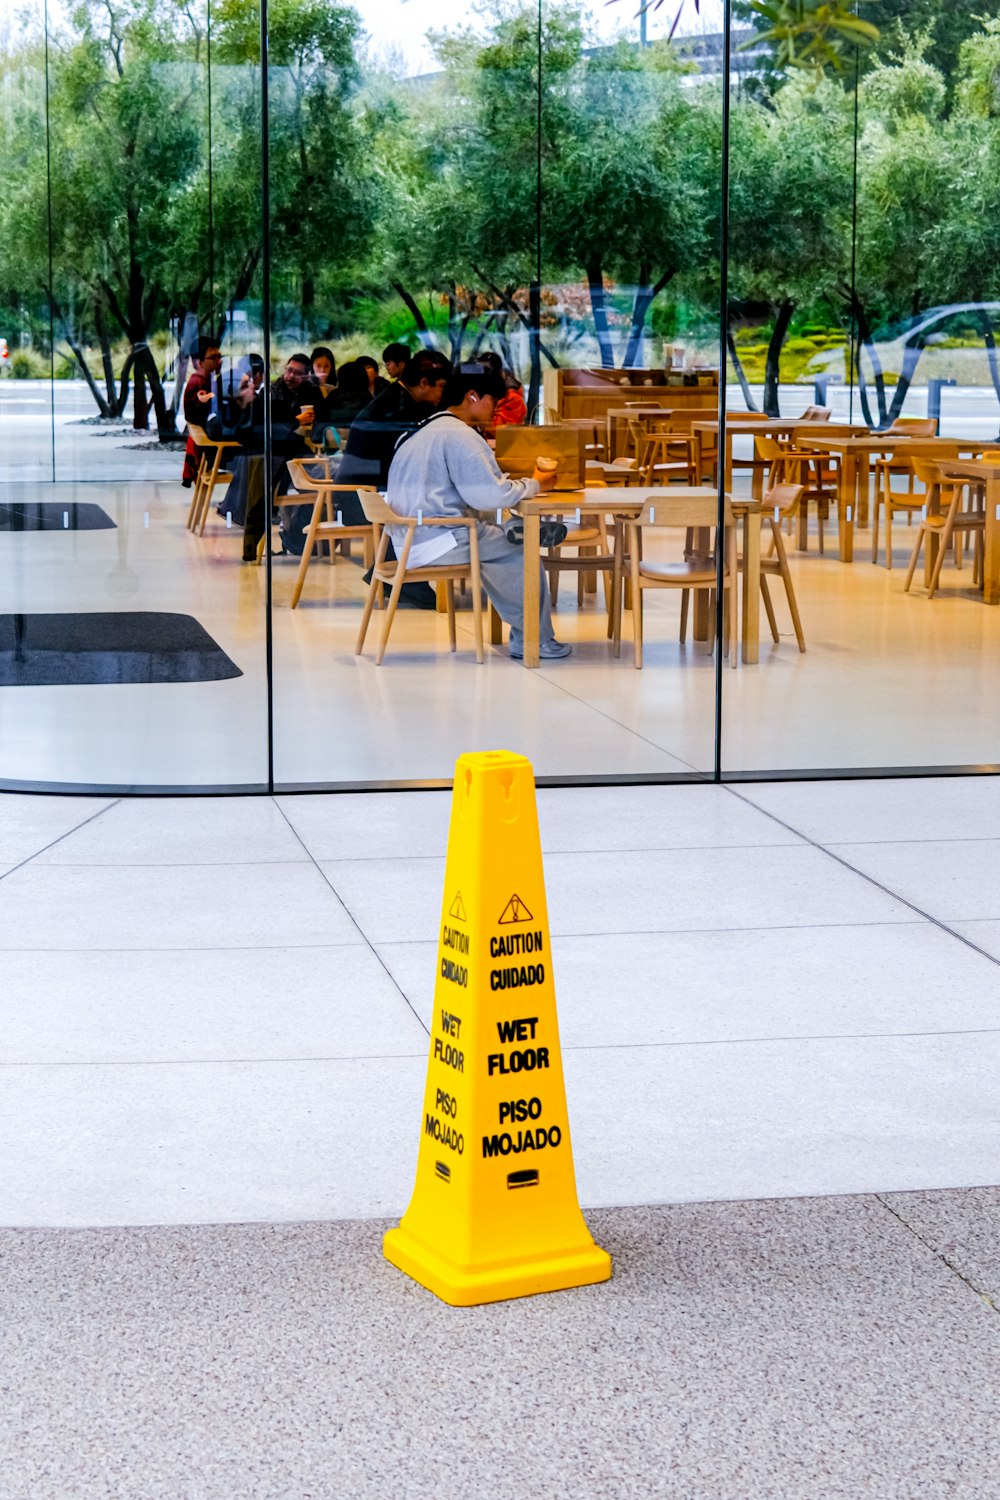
85, 649
54, 516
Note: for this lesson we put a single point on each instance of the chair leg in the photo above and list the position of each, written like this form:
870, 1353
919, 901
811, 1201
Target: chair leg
636, 607
793, 607
914, 559
476, 585
888, 530
765, 594
373, 587
307, 551
944, 544
685, 602
450, 597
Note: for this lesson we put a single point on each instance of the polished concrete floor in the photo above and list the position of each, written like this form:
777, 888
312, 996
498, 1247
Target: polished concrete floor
888, 679
780, 1015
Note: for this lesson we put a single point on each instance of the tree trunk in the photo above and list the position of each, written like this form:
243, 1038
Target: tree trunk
867, 342
535, 349
598, 302
772, 365
410, 303
121, 400
107, 361
105, 408
140, 404
506, 300
911, 358
645, 296
166, 424
740, 372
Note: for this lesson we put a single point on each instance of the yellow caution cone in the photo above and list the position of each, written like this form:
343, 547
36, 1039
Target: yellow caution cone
494, 1212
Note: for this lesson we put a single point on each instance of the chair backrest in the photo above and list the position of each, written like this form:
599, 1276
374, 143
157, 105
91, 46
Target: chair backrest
817, 414
925, 470
302, 479
916, 426
684, 510
198, 435
769, 448
991, 456
378, 511
783, 498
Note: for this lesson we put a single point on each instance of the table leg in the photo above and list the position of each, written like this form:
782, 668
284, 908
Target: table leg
614, 607
728, 484
991, 544
495, 626
701, 546
847, 506
751, 587
864, 485
933, 539
757, 476
441, 592
532, 594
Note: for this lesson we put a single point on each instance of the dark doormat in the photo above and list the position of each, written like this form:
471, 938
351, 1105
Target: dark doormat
54, 516
85, 649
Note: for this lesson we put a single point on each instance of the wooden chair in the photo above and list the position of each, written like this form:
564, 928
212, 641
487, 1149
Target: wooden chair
914, 426
395, 574
593, 555
908, 500
780, 503
210, 473
324, 524
817, 414
942, 520
810, 474
697, 571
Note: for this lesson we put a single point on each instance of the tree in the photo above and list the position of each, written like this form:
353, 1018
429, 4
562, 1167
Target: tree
790, 212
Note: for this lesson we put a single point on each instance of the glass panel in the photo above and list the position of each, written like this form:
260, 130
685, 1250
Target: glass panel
889, 677
462, 181
136, 654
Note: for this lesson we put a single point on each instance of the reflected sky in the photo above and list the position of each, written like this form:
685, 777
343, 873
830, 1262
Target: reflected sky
398, 28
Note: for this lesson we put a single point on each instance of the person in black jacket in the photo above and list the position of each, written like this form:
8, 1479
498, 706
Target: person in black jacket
293, 403
374, 434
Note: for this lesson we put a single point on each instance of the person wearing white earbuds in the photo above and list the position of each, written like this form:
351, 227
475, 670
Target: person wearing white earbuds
446, 467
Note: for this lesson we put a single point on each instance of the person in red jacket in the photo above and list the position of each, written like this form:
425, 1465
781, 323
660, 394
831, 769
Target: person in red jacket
511, 410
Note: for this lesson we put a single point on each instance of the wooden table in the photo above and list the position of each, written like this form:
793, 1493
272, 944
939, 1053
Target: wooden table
623, 504
987, 474
855, 471
738, 426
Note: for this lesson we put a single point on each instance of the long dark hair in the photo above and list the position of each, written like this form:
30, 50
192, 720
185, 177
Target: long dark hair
322, 352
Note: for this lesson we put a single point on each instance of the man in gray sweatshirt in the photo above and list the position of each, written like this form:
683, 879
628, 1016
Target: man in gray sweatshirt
446, 467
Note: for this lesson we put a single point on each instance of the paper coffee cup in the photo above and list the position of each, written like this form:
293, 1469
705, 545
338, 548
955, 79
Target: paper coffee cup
546, 465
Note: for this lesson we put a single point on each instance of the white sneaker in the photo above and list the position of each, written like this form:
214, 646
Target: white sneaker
550, 650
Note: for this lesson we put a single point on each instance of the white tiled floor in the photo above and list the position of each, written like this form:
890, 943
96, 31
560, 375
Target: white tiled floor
216, 1010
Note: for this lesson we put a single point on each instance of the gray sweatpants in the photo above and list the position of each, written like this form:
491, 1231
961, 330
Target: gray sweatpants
502, 567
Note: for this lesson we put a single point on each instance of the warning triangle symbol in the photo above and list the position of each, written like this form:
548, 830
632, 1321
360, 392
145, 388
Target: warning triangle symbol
515, 911
457, 909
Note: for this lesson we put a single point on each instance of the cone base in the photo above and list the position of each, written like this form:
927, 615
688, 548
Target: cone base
462, 1288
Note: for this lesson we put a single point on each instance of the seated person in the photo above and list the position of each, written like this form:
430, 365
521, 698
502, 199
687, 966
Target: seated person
394, 357
446, 467
512, 410
350, 397
376, 431
201, 396
292, 415
376, 384
324, 368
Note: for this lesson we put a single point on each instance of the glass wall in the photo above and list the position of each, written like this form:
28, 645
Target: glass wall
642, 226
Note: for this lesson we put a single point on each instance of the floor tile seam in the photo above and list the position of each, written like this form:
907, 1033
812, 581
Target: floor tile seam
888, 843
938, 1255
54, 842
366, 859
62, 1064
310, 947
878, 885
179, 864
651, 1045
353, 920
633, 932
